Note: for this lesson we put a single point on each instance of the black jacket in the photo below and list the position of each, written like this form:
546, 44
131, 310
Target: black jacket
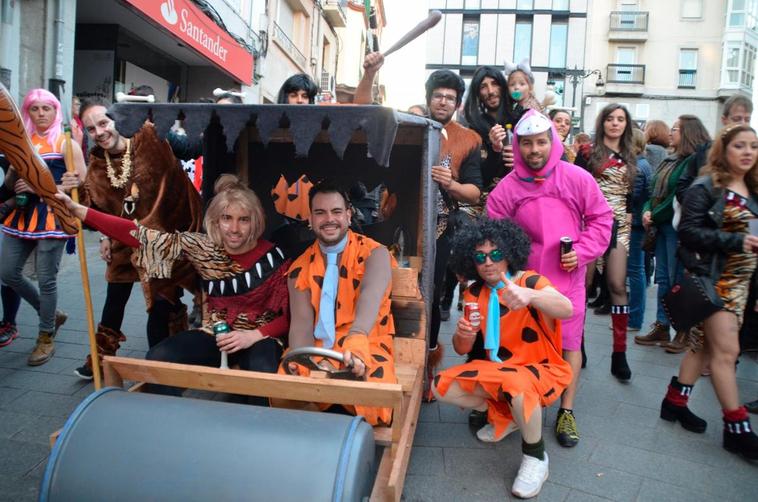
703, 246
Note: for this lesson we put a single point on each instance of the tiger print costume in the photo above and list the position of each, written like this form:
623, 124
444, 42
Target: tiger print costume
734, 284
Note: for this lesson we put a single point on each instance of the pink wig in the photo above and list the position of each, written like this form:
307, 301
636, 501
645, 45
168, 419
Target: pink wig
48, 98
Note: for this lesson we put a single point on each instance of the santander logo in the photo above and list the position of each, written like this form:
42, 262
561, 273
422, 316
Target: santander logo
169, 12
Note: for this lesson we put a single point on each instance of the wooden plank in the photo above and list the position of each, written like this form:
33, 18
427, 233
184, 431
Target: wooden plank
383, 435
406, 375
402, 453
252, 383
411, 351
110, 375
381, 482
405, 282
407, 308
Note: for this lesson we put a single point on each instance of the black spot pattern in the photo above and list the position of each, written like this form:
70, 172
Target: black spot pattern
339, 305
531, 281
341, 341
544, 361
386, 349
313, 257
319, 279
550, 392
292, 196
356, 283
378, 358
506, 369
295, 272
360, 259
384, 320
343, 272
378, 373
274, 196
534, 370
436, 380
475, 288
504, 354
504, 310
506, 396
528, 335
469, 373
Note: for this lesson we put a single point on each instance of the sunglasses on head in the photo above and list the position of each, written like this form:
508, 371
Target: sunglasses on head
480, 257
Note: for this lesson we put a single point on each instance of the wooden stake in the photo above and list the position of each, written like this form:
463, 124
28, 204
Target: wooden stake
69, 159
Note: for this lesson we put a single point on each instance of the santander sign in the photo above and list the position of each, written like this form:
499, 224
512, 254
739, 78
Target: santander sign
189, 24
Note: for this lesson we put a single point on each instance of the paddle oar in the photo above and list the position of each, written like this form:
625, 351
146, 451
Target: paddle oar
69, 159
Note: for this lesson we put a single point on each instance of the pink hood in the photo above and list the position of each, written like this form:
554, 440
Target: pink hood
556, 151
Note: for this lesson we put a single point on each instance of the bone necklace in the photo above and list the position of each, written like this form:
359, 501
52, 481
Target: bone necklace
126, 168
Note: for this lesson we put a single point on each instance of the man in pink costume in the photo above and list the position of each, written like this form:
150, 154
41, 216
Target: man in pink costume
550, 199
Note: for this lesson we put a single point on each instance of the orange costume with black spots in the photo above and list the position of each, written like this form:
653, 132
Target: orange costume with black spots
530, 351
376, 349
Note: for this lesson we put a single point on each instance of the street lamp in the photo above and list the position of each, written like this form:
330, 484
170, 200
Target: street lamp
576, 75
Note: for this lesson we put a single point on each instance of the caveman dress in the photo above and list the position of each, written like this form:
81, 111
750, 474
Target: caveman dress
613, 183
530, 351
376, 349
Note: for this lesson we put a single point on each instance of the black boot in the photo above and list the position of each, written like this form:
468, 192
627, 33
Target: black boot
619, 367
739, 438
689, 420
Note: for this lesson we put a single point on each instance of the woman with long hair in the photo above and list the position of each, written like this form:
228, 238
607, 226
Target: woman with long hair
687, 134
32, 226
612, 162
562, 120
715, 242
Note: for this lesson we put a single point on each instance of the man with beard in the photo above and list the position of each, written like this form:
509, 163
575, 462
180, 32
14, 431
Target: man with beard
551, 199
489, 104
136, 178
339, 295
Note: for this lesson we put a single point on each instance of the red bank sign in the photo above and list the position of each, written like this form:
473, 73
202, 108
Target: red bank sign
188, 23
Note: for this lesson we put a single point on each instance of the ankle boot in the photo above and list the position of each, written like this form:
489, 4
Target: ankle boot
679, 344
739, 437
659, 335
674, 407
108, 342
43, 350
619, 367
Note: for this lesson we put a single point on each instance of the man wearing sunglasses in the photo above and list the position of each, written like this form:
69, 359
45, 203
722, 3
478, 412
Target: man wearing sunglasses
550, 199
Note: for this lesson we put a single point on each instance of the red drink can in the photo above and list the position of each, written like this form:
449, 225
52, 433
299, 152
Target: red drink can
473, 316
567, 244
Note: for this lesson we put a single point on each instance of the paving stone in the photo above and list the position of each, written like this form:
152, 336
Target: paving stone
594, 479
426, 461
447, 435
442, 488
580, 496
44, 404
454, 414
44, 382
658, 491
19, 457
430, 412
38, 430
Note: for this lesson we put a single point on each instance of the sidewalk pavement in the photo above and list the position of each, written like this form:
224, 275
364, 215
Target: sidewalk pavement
626, 452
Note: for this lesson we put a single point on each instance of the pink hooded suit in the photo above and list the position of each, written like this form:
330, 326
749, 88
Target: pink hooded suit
564, 200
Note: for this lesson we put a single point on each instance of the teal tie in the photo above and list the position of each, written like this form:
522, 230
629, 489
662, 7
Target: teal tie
325, 327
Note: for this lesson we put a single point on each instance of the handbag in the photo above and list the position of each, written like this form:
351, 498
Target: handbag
691, 301
648, 242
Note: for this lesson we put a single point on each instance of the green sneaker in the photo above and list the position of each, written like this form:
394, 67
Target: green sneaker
565, 429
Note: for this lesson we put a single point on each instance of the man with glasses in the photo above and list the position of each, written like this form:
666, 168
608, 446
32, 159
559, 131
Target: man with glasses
459, 177
551, 199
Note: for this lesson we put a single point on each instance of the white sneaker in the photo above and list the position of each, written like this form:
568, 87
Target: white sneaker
531, 475
487, 433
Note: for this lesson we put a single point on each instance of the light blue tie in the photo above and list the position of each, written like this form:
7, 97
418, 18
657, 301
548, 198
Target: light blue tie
492, 333
325, 327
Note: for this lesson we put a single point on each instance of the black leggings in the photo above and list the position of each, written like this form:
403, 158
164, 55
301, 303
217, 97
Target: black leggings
441, 260
197, 347
116, 298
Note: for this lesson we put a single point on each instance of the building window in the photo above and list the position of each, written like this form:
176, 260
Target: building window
692, 9
732, 63
748, 66
560, 5
744, 13
522, 44
472, 5
687, 68
470, 45
525, 5
558, 41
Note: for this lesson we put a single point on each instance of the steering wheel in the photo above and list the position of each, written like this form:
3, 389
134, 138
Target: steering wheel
305, 356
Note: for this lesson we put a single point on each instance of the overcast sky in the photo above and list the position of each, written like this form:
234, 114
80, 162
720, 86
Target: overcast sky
403, 73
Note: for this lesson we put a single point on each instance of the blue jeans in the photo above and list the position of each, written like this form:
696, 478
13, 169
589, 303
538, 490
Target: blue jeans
667, 267
635, 271
12, 258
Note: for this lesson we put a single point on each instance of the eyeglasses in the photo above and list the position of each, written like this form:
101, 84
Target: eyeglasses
444, 97
480, 258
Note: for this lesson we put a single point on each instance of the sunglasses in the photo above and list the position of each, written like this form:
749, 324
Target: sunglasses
480, 258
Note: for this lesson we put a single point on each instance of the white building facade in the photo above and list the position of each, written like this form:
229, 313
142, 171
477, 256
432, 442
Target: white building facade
666, 59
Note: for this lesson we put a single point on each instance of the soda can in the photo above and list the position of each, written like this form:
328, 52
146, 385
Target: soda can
22, 199
473, 316
567, 244
220, 327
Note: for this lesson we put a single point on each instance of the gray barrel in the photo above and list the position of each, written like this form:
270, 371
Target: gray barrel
127, 446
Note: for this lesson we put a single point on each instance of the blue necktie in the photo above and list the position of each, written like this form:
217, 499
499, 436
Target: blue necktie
325, 327
492, 333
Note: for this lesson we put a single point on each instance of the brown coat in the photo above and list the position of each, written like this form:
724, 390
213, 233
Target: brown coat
164, 199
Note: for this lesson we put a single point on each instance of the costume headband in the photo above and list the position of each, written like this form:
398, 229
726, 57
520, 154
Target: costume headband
522, 66
533, 123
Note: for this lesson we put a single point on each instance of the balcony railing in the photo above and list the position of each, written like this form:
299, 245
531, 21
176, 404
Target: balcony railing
284, 41
334, 10
629, 21
687, 79
626, 74
326, 81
